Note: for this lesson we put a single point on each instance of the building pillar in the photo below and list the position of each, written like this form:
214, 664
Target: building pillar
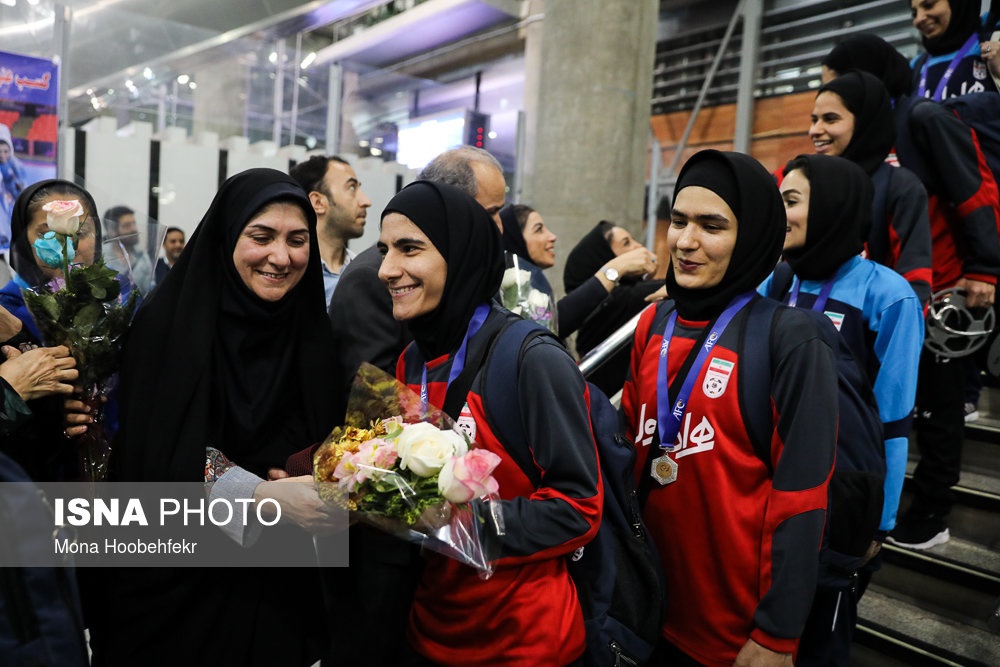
587, 105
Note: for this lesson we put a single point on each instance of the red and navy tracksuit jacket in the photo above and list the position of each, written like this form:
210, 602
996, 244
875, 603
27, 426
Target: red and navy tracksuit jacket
739, 538
964, 204
527, 613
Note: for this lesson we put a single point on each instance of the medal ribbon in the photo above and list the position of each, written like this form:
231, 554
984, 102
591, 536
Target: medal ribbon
824, 294
669, 419
458, 365
952, 66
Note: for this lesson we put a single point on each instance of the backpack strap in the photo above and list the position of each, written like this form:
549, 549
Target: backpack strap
781, 281
503, 411
755, 373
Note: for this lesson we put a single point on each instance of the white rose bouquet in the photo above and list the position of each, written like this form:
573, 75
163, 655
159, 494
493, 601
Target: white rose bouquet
419, 479
521, 298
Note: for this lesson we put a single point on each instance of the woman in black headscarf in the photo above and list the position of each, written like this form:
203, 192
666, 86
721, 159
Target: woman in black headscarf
852, 117
228, 360
872, 54
881, 320
604, 248
38, 443
526, 236
27, 225
443, 264
957, 62
708, 483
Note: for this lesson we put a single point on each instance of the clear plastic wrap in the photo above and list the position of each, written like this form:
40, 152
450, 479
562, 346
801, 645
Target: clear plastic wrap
522, 298
87, 306
412, 474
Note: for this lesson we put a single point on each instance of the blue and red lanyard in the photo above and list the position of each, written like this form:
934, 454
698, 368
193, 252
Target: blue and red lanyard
669, 418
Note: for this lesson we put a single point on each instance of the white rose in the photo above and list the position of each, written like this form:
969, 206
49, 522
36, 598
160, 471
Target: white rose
513, 277
63, 217
424, 448
538, 300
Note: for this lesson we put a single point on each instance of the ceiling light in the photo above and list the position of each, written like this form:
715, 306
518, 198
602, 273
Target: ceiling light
148, 74
192, 85
273, 57
492, 134
9, 3
308, 60
183, 79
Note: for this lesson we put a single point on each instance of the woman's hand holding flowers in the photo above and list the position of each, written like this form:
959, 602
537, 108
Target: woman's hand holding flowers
300, 503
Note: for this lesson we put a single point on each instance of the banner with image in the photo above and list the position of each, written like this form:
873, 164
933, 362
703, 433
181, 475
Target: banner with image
29, 99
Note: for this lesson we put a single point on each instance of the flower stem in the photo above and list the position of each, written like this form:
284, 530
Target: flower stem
65, 257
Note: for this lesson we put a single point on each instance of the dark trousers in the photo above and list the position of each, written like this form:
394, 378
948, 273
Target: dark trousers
940, 426
829, 632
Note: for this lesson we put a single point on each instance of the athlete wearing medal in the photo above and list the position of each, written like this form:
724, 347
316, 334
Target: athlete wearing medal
738, 537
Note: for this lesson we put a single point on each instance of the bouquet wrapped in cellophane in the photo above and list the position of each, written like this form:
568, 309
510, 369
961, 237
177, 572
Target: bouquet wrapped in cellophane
410, 472
521, 297
87, 306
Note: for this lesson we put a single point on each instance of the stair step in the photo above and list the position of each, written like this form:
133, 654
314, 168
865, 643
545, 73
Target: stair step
959, 580
895, 627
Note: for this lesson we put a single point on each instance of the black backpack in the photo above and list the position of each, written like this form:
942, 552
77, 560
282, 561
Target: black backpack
857, 493
40, 618
617, 575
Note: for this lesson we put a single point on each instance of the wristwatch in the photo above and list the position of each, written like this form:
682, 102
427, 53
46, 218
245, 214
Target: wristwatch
611, 273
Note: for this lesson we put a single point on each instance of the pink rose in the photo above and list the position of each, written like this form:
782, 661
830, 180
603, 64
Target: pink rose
63, 217
470, 476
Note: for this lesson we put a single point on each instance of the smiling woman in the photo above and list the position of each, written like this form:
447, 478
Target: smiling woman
232, 351
273, 250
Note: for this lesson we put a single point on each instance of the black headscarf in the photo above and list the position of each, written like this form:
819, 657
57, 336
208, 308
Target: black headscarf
208, 362
22, 256
872, 54
840, 211
874, 129
744, 183
964, 22
470, 243
513, 235
591, 253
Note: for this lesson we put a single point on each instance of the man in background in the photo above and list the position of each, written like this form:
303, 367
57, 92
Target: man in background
121, 225
173, 246
341, 207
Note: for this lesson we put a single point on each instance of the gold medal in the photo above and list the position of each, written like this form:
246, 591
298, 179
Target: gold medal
664, 470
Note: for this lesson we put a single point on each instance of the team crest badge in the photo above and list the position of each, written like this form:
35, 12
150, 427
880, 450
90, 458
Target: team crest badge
466, 422
717, 377
979, 70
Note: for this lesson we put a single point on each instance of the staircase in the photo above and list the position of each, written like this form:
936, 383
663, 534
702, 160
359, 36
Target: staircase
939, 606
